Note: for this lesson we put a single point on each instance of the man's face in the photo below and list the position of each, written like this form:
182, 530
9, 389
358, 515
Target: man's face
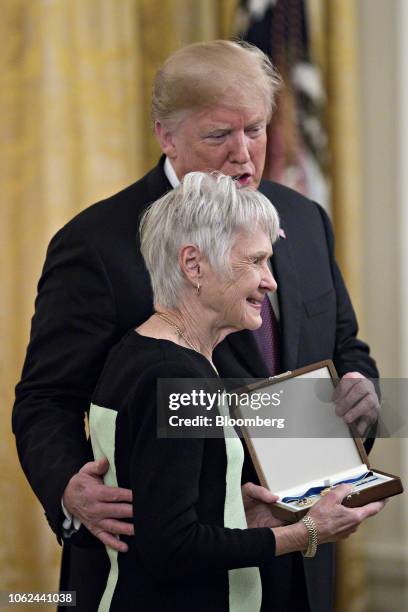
228, 140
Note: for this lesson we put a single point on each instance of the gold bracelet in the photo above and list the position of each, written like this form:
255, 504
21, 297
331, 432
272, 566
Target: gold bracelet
312, 533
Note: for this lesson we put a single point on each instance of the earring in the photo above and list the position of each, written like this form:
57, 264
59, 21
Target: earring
198, 289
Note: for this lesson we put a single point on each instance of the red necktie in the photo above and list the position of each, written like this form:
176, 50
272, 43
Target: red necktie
267, 337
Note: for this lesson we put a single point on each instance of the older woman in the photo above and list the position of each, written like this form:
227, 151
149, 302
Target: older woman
197, 545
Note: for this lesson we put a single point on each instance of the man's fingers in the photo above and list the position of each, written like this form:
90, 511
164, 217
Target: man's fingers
114, 494
98, 467
346, 384
117, 527
111, 541
351, 389
356, 401
345, 403
366, 407
116, 511
363, 426
354, 398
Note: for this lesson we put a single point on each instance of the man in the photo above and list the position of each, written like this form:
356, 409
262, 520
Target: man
211, 104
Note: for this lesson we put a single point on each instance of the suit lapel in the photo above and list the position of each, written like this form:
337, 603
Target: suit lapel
290, 303
246, 351
157, 182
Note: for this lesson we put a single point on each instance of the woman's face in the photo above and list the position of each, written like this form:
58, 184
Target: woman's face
237, 301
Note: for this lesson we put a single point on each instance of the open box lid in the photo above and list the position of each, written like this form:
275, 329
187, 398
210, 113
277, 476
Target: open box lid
283, 463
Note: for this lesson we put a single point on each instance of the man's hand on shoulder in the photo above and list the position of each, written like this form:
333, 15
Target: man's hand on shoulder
100, 508
357, 401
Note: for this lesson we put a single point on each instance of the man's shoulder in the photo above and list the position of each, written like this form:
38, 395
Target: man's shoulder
121, 209
292, 206
282, 196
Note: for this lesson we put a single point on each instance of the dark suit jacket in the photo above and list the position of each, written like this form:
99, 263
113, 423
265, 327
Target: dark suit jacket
94, 287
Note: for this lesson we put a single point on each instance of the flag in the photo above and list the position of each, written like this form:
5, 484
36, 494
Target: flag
297, 152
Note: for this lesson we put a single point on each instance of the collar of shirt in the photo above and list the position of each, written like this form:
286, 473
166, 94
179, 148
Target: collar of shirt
170, 173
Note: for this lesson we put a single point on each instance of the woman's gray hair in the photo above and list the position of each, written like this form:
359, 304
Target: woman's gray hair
205, 210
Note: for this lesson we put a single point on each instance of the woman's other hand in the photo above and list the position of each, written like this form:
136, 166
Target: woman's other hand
257, 503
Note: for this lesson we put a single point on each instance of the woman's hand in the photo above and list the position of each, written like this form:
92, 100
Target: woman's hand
257, 503
334, 521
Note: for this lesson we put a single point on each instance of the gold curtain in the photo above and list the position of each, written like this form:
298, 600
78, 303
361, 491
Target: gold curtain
334, 41
69, 77
75, 78
169, 24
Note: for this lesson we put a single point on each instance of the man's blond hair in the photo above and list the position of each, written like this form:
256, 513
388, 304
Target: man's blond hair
210, 74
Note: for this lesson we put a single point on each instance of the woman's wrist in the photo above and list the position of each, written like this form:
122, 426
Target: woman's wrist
291, 538
313, 539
